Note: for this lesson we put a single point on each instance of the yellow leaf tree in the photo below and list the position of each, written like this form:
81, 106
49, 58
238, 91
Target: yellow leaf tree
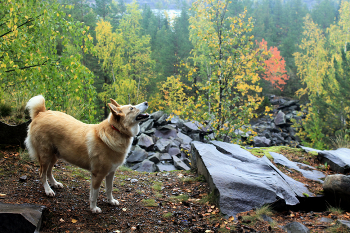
224, 76
126, 57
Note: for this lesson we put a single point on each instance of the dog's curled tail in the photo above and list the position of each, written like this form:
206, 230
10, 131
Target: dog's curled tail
36, 105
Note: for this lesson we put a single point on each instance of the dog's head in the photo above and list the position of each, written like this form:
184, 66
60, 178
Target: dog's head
126, 118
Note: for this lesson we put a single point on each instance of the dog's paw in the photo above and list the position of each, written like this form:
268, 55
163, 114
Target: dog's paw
113, 202
96, 210
50, 193
58, 185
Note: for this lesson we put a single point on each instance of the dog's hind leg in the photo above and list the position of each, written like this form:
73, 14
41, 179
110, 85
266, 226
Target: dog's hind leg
94, 191
109, 187
52, 180
44, 166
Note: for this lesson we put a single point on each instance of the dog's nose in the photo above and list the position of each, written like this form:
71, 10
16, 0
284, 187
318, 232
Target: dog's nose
146, 103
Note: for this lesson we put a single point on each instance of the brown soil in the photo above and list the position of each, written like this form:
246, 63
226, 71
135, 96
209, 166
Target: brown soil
179, 201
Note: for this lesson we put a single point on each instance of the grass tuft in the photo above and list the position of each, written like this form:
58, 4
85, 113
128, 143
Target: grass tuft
149, 203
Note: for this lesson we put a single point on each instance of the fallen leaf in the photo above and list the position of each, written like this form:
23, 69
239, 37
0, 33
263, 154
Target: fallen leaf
61, 220
2, 194
74, 220
231, 218
124, 209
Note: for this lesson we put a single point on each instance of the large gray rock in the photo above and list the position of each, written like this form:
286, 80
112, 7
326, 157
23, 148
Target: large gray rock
339, 160
261, 142
20, 217
157, 115
147, 166
166, 132
163, 145
296, 227
147, 125
337, 184
145, 141
155, 158
280, 118
180, 164
137, 155
191, 127
242, 181
185, 139
165, 167
307, 171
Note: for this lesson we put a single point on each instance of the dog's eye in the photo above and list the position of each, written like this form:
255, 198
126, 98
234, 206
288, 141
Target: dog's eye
131, 108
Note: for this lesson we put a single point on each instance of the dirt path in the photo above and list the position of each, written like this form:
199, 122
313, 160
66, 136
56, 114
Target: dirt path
175, 201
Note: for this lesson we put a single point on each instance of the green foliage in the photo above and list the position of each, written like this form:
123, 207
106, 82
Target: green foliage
125, 56
341, 139
149, 203
224, 72
30, 32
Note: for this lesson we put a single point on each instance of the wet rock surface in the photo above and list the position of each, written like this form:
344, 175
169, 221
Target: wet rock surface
243, 184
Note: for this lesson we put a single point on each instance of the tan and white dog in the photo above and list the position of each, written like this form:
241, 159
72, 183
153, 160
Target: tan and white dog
99, 148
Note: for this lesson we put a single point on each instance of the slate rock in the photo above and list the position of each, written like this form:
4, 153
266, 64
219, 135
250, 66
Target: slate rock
137, 155
155, 158
147, 125
156, 115
165, 167
296, 227
23, 178
166, 132
280, 118
288, 104
174, 151
191, 127
325, 220
20, 217
185, 139
339, 160
165, 157
308, 149
345, 223
145, 141
261, 142
241, 185
179, 164
147, 166
178, 121
162, 120
163, 144
307, 171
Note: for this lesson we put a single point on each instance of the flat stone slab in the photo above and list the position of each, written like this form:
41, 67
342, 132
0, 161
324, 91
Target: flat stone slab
242, 181
165, 167
308, 172
339, 160
20, 217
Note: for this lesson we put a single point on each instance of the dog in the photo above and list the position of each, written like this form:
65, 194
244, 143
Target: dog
99, 148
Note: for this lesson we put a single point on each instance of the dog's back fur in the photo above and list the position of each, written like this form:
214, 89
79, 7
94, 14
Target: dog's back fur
99, 148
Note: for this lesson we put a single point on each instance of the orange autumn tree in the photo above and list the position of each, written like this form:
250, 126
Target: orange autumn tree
275, 64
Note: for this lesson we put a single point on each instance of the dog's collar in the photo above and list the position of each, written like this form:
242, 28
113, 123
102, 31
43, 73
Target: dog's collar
115, 128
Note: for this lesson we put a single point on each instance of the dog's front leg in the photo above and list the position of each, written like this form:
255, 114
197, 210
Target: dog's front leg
94, 191
109, 187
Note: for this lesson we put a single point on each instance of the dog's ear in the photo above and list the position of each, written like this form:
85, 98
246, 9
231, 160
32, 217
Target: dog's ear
114, 102
115, 111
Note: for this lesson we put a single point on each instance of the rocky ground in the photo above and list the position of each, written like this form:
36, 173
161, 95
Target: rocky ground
175, 201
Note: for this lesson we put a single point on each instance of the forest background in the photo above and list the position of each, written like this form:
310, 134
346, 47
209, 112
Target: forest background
215, 62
